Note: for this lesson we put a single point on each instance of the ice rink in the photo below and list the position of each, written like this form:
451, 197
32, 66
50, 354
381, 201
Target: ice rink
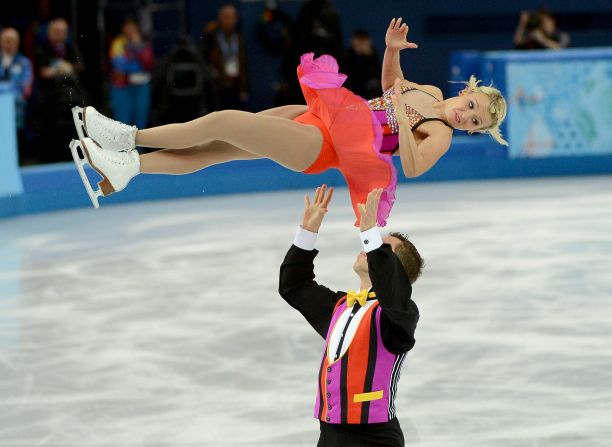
159, 324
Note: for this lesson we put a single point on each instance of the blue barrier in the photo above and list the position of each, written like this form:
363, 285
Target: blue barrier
10, 180
58, 186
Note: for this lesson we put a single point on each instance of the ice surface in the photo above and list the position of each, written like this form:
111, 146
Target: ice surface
159, 324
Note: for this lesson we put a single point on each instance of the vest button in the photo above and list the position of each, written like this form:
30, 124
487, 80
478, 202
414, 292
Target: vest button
329, 407
329, 369
328, 381
327, 418
328, 395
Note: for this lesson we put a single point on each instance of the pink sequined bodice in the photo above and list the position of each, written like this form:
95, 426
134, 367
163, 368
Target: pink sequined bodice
384, 110
385, 103
390, 139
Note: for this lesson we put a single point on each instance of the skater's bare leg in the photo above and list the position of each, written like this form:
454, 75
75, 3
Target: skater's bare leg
288, 112
293, 145
186, 161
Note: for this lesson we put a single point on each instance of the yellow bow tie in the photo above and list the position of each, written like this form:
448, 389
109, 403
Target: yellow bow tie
361, 297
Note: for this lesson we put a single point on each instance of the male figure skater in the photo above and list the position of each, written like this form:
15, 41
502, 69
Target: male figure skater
367, 333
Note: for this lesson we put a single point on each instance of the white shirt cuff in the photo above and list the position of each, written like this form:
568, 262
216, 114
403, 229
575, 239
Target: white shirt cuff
371, 239
305, 239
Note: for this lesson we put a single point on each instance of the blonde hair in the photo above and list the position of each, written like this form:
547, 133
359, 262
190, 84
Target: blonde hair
497, 107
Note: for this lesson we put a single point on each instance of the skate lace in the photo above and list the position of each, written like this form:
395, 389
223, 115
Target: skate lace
119, 132
122, 138
118, 158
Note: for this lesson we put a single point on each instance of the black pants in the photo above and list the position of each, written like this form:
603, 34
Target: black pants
388, 434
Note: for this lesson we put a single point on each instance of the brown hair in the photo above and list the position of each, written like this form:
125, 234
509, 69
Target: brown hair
409, 257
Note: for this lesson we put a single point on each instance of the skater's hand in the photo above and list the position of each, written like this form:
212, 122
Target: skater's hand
400, 109
396, 38
369, 211
315, 212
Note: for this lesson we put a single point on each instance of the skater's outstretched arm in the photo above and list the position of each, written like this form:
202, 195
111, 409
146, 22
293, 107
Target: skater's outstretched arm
297, 283
400, 313
396, 42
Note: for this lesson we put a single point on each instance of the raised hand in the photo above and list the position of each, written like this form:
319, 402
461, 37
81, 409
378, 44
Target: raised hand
315, 212
396, 38
369, 211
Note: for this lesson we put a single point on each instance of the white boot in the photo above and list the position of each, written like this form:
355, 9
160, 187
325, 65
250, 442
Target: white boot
116, 168
108, 133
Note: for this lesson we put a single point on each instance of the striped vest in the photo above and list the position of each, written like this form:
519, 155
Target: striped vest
359, 387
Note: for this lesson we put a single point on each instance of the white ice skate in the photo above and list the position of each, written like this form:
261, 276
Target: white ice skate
116, 168
108, 133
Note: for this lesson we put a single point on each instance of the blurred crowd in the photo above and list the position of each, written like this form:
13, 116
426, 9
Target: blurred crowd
538, 31
191, 80
43, 83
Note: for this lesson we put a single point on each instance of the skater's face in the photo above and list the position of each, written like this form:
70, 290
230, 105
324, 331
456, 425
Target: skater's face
58, 31
468, 111
228, 18
361, 263
131, 32
362, 45
9, 41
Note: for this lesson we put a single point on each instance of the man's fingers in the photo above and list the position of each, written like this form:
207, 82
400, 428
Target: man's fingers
316, 195
373, 197
378, 194
392, 24
362, 209
329, 197
372, 194
398, 23
369, 202
410, 45
322, 190
306, 201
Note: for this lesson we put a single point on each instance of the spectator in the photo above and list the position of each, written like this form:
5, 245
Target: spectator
538, 31
225, 50
360, 64
16, 69
132, 61
317, 30
59, 64
183, 88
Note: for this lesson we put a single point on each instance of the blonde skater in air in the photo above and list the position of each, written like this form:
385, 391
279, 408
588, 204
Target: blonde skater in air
336, 129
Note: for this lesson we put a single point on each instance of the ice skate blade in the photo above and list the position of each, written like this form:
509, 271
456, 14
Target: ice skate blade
78, 116
80, 163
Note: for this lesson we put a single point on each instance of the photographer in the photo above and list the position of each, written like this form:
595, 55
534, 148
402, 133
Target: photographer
538, 31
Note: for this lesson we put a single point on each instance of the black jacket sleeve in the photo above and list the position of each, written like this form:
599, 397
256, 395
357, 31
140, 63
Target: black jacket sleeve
393, 291
298, 287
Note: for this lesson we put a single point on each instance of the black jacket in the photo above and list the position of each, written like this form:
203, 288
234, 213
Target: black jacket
393, 290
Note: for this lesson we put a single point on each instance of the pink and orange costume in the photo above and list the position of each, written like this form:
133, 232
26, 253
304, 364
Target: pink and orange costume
359, 136
352, 136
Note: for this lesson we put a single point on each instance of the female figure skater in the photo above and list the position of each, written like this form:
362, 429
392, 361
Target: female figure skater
337, 129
